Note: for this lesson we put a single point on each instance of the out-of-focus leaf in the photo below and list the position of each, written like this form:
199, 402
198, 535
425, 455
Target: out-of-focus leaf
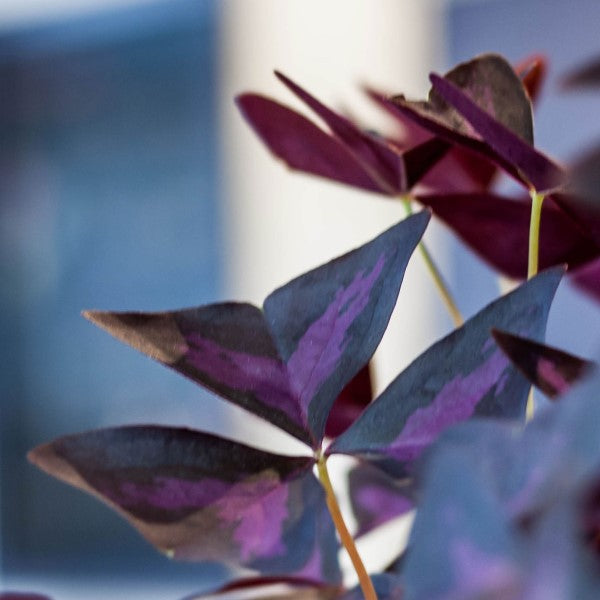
376, 498
551, 370
289, 363
301, 144
533, 167
532, 72
387, 587
199, 497
270, 588
587, 278
497, 229
350, 403
462, 376
586, 75
461, 544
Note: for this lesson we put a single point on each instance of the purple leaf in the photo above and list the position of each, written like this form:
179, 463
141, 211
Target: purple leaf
199, 497
551, 370
586, 75
22, 596
376, 498
497, 229
350, 403
533, 166
302, 145
461, 544
384, 164
289, 363
462, 376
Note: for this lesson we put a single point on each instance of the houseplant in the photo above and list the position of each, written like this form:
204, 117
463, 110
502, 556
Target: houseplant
497, 502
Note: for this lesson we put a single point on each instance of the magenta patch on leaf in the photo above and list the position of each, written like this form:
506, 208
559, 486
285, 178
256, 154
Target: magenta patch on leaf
319, 351
454, 403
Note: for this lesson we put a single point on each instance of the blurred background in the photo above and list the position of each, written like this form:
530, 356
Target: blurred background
129, 181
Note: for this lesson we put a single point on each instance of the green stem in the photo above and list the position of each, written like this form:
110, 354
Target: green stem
537, 200
345, 537
534, 233
441, 285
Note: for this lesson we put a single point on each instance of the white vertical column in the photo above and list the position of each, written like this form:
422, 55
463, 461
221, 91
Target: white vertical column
278, 223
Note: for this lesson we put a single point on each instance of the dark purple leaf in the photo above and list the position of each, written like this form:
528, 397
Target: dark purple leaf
376, 498
551, 370
289, 363
199, 497
587, 75
463, 375
497, 229
350, 403
533, 166
461, 544
301, 144
383, 164
587, 278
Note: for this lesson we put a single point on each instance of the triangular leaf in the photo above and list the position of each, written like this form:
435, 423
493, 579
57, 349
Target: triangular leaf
288, 364
497, 229
302, 145
551, 370
199, 497
461, 376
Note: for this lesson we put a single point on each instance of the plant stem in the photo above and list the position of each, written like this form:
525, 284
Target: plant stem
537, 200
345, 537
435, 274
534, 233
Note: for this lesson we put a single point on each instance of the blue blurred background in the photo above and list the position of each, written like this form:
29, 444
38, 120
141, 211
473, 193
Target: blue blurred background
110, 198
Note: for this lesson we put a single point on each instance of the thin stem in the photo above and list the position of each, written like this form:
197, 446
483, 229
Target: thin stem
537, 200
345, 537
435, 274
534, 233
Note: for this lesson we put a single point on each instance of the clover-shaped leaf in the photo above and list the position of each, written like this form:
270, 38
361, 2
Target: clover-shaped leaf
197, 496
289, 363
461, 376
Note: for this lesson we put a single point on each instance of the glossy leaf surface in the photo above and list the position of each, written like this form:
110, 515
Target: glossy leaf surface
199, 497
289, 363
462, 376
551, 370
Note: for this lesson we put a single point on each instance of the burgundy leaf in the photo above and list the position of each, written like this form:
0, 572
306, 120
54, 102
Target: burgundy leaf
587, 75
551, 370
350, 403
533, 166
462, 376
532, 72
289, 363
199, 497
384, 164
301, 144
497, 229
376, 498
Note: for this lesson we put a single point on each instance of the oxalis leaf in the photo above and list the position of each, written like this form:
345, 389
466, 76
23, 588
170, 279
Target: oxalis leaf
199, 497
288, 362
461, 376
